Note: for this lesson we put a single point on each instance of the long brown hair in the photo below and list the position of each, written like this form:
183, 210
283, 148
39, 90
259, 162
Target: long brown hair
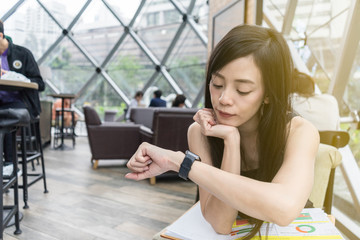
272, 56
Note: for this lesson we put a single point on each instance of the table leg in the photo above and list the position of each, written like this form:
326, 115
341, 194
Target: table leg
62, 121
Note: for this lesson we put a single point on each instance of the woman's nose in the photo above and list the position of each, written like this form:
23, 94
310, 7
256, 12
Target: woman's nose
225, 98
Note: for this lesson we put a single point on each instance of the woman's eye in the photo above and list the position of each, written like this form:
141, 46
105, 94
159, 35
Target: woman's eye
242, 93
217, 86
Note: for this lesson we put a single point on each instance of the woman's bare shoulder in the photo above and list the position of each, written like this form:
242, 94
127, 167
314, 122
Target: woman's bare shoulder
300, 124
194, 132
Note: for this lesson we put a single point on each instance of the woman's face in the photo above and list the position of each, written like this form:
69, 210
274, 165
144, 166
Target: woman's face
237, 92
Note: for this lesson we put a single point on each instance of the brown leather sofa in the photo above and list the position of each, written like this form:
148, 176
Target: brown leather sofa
164, 127
110, 140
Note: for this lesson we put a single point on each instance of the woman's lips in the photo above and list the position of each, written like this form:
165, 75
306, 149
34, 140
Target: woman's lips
225, 114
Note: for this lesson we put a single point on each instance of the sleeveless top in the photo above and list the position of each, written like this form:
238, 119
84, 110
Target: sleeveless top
252, 173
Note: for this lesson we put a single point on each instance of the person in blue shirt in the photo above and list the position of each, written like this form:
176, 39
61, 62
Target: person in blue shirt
157, 101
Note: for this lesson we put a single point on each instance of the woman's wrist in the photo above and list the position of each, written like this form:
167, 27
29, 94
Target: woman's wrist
176, 160
232, 137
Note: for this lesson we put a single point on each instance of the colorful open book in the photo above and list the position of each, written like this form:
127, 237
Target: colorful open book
312, 224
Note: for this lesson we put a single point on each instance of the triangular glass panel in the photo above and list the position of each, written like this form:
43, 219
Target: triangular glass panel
157, 25
5, 7
325, 43
160, 83
100, 95
188, 62
158, 38
276, 9
201, 15
125, 9
64, 11
185, 4
322, 16
130, 68
353, 87
97, 30
227, 19
30, 26
69, 69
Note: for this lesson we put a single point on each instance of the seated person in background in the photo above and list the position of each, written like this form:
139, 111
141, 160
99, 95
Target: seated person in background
67, 115
322, 110
135, 102
179, 101
18, 59
157, 101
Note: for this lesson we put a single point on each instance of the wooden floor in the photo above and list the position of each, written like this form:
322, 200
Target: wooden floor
83, 203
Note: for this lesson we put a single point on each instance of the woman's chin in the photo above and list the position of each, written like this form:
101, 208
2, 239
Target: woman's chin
227, 123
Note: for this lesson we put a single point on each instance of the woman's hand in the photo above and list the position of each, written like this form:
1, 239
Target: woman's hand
209, 127
149, 161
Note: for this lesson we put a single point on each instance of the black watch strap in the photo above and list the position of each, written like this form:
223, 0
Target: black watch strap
187, 163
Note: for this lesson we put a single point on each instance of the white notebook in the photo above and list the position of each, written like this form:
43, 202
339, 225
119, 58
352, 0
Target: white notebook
313, 223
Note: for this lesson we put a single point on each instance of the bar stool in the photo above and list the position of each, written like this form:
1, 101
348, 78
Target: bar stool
30, 137
68, 132
10, 120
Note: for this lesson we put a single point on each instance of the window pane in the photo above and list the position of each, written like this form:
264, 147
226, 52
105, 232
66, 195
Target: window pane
276, 10
70, 70
130, 68
30, 26
64, 11
319, 27
100, 95
187, 63
5, 7
125, 9
97, 30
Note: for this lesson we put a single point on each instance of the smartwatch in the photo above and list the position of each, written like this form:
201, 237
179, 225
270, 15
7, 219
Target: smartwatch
187, 163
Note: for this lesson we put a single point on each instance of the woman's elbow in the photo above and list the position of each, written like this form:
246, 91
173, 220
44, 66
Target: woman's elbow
222, 229
283, 222
286, 215
219, 226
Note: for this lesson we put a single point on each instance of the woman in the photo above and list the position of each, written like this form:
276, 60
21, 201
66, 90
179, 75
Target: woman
257, 160
135, 102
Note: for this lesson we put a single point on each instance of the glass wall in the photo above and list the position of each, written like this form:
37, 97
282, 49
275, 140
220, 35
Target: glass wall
106, 50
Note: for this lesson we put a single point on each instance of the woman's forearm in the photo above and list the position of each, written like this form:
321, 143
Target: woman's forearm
274, 202
218, 213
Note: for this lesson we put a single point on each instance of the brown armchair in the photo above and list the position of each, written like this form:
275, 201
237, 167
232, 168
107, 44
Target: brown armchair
337, 139
110, 140
169, 130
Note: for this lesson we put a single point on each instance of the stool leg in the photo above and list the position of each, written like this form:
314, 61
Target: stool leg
2, 134
16, 187
35, 146
39, 145
31, 145
16, 214
73, 127
24, 168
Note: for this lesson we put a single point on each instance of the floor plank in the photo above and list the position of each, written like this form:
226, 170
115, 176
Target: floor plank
101, 204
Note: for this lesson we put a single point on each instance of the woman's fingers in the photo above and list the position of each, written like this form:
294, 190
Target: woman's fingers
149, 161
139, 161
136, 176
205, 117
